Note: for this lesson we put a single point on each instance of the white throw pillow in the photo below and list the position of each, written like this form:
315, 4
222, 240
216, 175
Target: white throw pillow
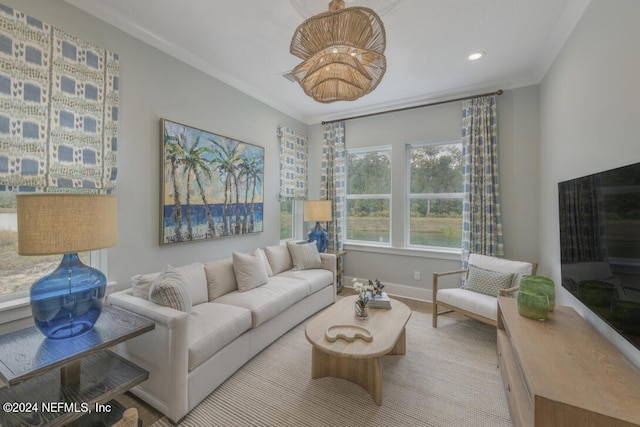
279, 258
305, 256
221, 279
250, 270
169, 291
141, 283
195, 281
266, 262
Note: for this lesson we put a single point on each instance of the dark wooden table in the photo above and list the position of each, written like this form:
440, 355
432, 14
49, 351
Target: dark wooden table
52, 382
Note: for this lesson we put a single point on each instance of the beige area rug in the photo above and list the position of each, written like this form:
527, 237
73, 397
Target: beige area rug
447, 378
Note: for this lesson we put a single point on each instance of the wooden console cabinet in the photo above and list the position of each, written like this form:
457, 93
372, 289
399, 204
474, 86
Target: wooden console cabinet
562, 372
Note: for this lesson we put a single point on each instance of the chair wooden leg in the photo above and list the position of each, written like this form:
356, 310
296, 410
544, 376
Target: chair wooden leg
434, 315
434, 299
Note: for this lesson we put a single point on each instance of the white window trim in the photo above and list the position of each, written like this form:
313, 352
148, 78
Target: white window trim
388, 197
296, 225
422, 196
15, 308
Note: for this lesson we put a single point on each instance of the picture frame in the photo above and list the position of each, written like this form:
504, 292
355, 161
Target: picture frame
211, 185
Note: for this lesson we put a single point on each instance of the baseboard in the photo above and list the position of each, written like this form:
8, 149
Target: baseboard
393, 289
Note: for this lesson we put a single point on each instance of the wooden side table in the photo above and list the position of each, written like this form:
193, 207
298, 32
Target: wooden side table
339, 268
89, 375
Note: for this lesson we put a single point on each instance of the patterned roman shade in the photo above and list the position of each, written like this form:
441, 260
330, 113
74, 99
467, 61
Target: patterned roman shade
58, 109
293, 164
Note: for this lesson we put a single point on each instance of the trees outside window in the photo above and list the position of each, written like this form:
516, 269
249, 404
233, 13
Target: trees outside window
369, 195
17, 272
435, 194
287, 219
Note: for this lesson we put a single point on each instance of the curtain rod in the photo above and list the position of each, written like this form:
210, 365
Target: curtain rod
431, 104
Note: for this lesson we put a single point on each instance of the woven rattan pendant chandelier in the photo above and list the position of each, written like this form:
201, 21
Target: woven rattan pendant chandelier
342, 52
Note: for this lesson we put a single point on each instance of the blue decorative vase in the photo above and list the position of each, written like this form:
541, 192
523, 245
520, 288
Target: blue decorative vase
320, 236
68, 301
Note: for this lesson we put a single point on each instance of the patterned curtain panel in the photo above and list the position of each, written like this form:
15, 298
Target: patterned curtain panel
333, 180
294, 152
582, 224
482, 224
58, 109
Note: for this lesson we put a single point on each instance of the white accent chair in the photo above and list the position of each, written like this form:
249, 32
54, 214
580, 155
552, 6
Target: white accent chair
478, 306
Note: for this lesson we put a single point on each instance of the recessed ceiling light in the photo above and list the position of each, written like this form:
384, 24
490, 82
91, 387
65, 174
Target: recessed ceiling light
475, 56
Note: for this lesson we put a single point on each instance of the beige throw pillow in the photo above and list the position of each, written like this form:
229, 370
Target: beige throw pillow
304, 256
279, 258
221, 279
169, 291
141, 283
250, 270
195, 281
266, 262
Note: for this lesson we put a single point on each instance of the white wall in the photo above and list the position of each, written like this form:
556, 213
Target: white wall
517, 139
589, 122
155, 85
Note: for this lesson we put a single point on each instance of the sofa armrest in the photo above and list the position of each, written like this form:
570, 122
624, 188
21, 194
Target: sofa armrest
160, 314
434, 288
329, 262
508, 292
163, 352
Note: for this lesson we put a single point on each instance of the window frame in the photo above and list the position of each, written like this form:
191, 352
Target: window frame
294, 219
383, 196
409, 196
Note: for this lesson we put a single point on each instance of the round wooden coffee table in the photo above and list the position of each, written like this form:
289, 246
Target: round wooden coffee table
356, 358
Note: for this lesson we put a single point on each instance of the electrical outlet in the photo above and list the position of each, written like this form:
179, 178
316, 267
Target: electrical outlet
416, 275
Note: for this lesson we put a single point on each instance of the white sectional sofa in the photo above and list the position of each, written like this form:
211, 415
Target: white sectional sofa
189, 354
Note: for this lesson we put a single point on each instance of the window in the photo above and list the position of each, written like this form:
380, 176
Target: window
435, 194
369, 195
287, 219
17, 273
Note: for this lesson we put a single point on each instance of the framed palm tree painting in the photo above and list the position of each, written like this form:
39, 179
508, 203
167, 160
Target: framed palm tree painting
212, 185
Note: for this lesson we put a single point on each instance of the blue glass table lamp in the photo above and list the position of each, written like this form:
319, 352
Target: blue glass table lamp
319, 211
67, 301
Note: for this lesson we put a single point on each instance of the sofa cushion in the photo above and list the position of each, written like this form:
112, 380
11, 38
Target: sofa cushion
169, 291
487, 282
195, 280
484, 305
279, 258
141, 283
316, 278
268, 300
221, 279
250, 270
304, 256
213, 326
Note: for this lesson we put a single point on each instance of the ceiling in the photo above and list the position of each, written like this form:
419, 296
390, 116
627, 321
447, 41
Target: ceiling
246, 45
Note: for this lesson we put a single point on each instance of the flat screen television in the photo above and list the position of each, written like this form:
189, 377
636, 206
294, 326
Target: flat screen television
600, 245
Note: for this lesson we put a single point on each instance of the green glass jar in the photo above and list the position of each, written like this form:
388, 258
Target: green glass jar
533, 306
540, 285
